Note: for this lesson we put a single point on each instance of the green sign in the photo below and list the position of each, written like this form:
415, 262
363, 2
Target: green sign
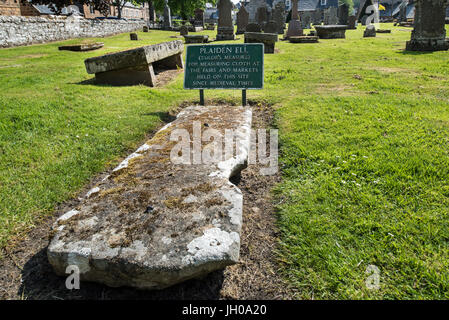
224, 66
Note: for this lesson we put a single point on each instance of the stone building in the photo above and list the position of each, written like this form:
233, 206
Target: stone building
17, 8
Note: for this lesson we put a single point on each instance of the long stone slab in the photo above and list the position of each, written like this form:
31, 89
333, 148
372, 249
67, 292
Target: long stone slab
136, 66
154, 222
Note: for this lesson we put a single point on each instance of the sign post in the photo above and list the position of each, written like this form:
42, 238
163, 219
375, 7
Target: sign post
224, 66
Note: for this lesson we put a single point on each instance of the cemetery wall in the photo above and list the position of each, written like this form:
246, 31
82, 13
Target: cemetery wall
18, 31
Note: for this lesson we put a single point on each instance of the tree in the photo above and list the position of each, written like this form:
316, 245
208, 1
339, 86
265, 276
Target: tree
119, 4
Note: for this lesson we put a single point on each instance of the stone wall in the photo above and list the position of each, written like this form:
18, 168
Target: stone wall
17, 31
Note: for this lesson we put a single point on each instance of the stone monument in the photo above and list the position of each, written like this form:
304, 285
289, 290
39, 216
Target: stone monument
242, 20
167, 16
225, 26
279, 16
199, 18
343, 14
429, 33
262, 16
294, 27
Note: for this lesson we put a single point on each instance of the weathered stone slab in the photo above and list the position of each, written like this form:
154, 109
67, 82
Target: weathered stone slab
268, 39
135, 66
253, 27
331, 31
133, 36
197, 38
83, 46
304, 39
154, 222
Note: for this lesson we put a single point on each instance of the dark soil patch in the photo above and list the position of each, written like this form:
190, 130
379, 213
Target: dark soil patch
26, 274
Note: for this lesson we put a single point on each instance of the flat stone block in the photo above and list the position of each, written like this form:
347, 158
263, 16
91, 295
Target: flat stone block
117, 68
83, 47
304, 39
156, 221
200, 38
331, 31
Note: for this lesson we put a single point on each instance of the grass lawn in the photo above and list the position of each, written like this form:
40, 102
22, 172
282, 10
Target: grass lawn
364, 131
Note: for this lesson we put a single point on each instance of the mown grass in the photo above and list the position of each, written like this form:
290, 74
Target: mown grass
364, 152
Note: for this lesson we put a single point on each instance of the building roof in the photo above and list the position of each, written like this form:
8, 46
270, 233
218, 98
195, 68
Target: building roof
308, 5
46, 9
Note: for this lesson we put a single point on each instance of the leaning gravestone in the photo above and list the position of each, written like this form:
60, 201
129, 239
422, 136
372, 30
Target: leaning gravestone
242, 20
279, 16
225, 26
294, 27
136, 66
343, 14
155, 220
429, 32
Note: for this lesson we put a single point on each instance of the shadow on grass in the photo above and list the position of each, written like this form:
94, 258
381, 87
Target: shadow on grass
39, 282
414, 53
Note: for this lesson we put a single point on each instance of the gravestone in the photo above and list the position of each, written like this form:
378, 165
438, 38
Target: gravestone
133, 36
352, 22
145, 29
279, 16
252, 8
196, 38
402, 17
294, 27
343, 14
225, 26
271, 27
268, 39
370, 31
184, 30
253, 27
83, 46
167, 16
306, 19
331, 31
317, 17
242, 20
262, 16
429, 33
199, 18
331, 16
136, 66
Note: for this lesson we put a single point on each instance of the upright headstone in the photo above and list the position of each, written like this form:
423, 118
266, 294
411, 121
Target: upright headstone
152, 11
352, 22
306, 19
167, 16
262, 16
317, 17
184, 30
402, 17
294, 27
271, 27
343, 14
370, 31
199, 18
253, 27
242, 20
133, 36
429, 33
225, 26
279, 16
252, 8
331, 16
